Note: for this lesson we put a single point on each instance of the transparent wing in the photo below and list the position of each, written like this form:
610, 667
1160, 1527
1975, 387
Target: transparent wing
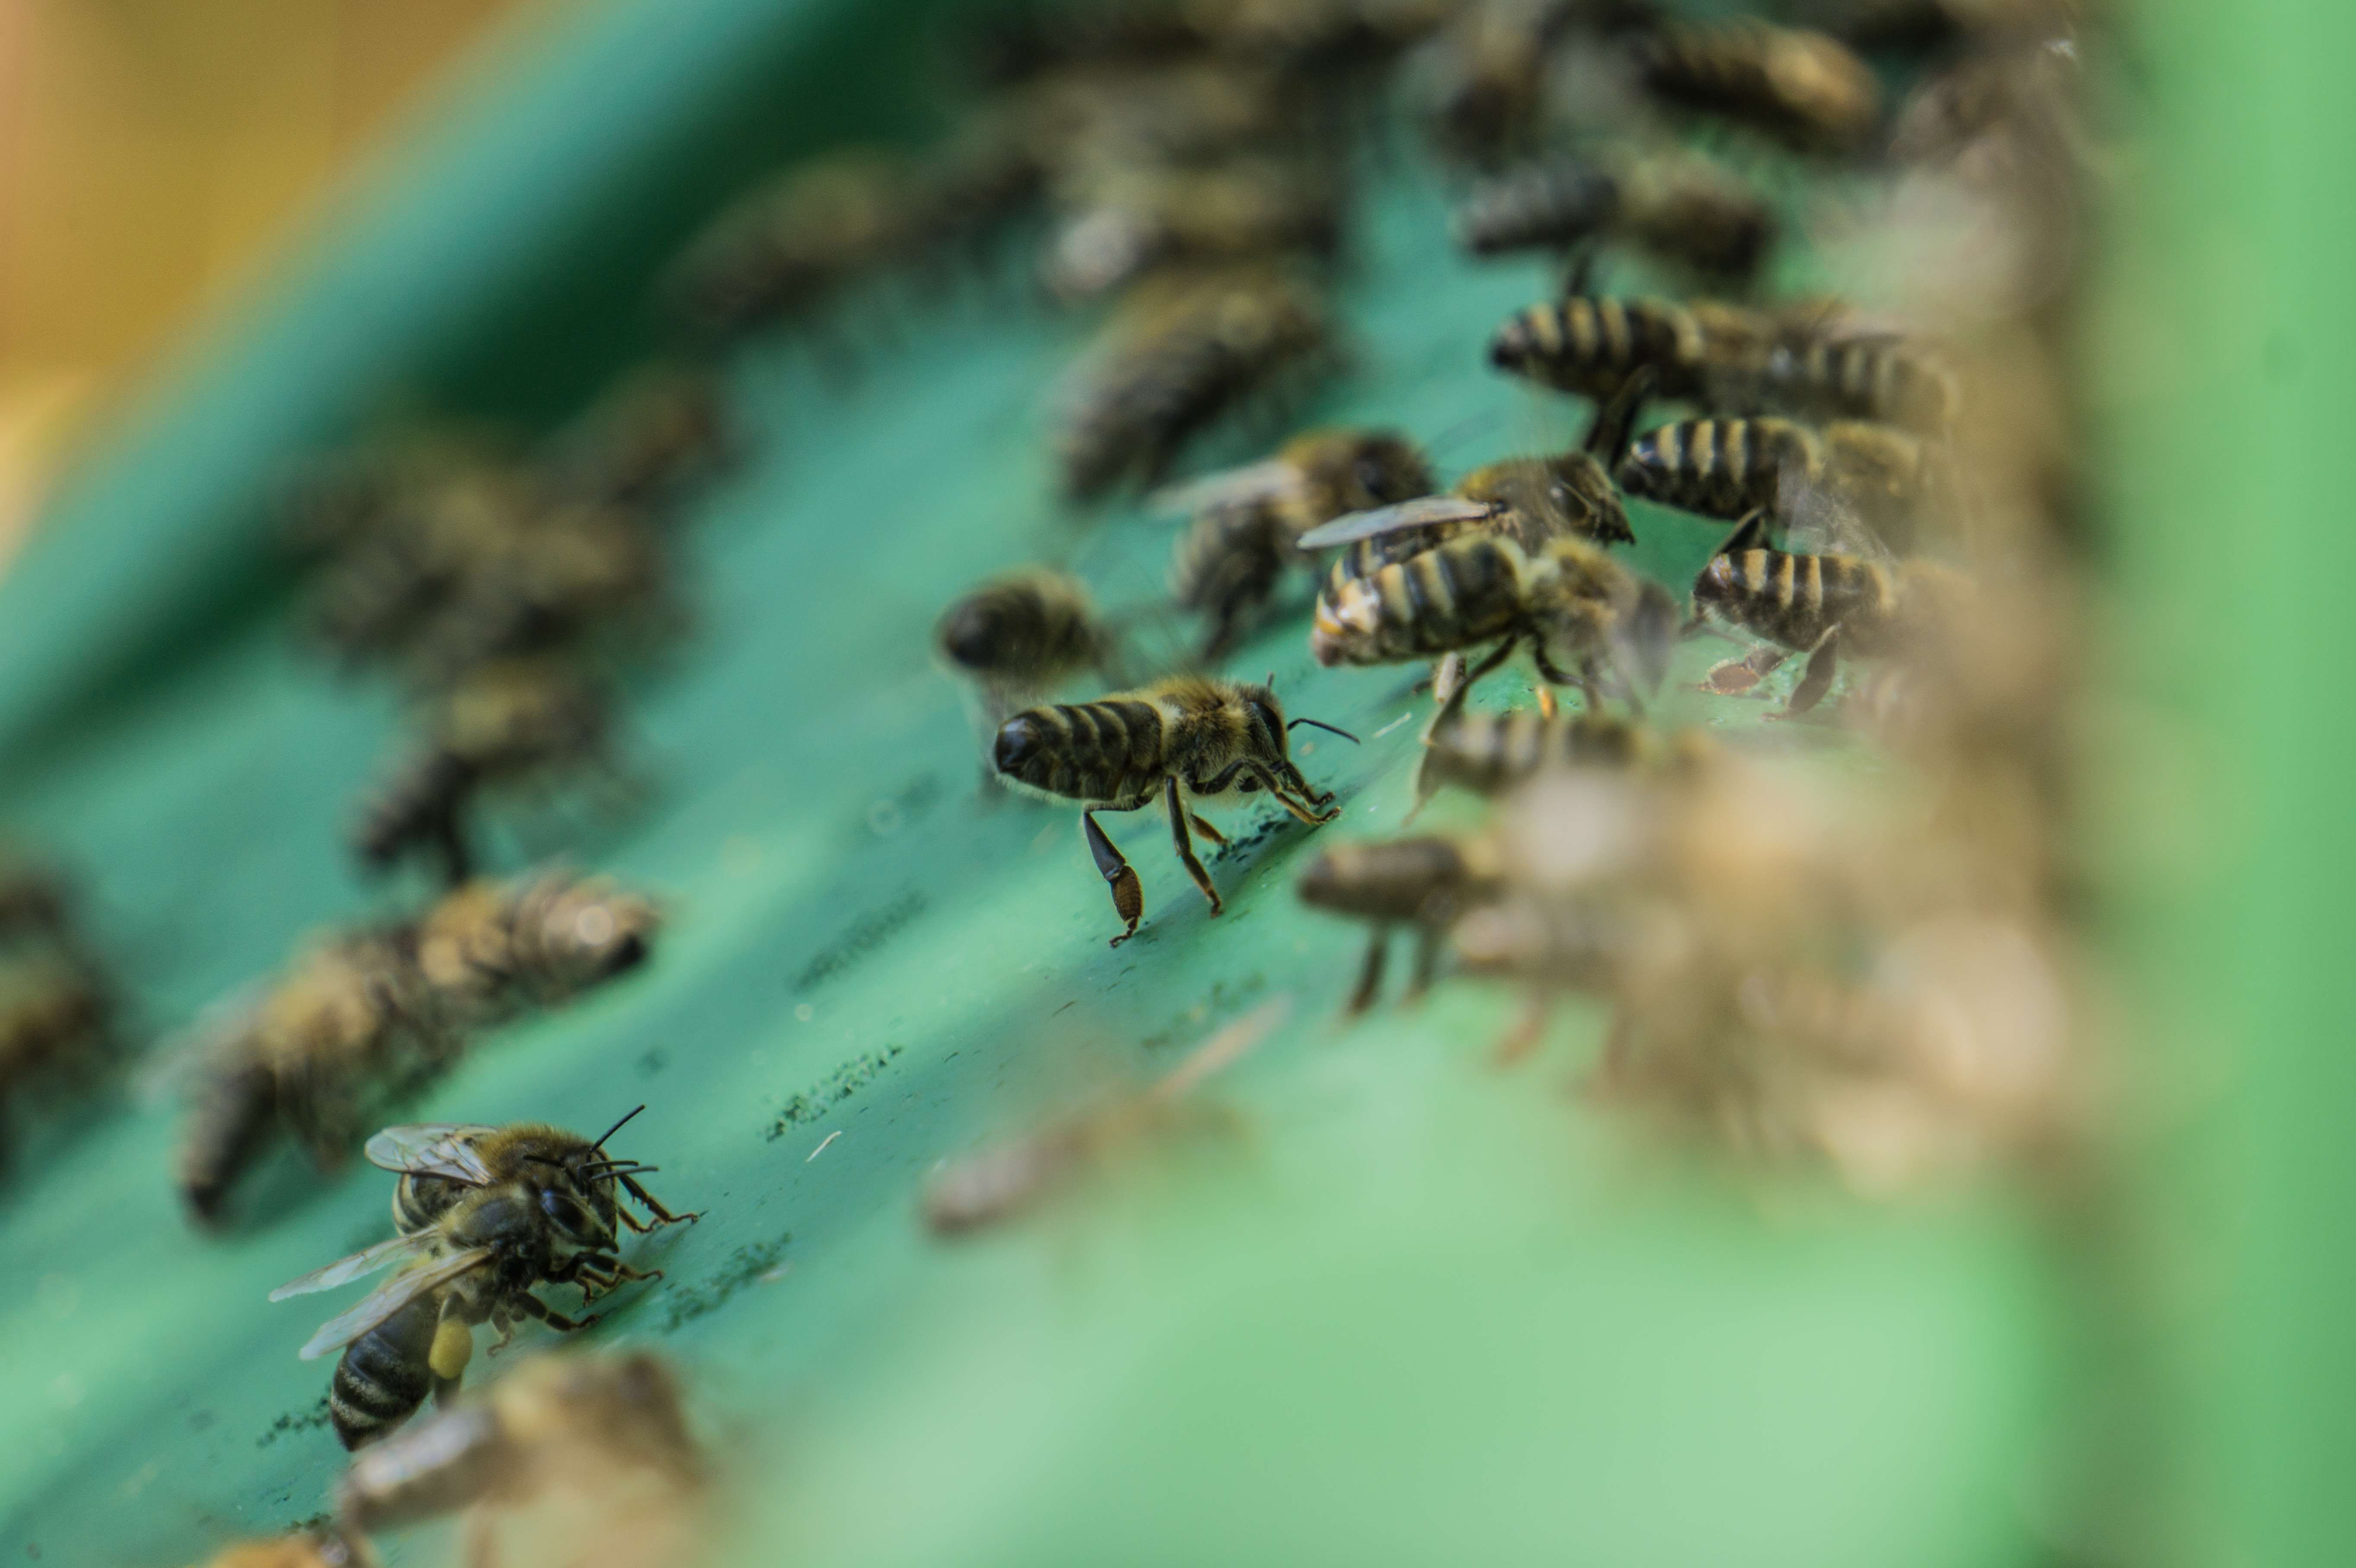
391, 1297
343, 1271
432, 1149
1235, 487
1421, 512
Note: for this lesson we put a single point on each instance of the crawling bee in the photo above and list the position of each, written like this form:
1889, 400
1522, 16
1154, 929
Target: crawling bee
1142, 219
1819, 365
1424, 883
1727, 468
999, 1184
532, 1206
1250, 520
390, 577
1190, 739
353, 1015
1806, 89
659, 429
1490, 753
53, 1026
598, 1444
1020, 636
1592, 345
1675, 206
558, 576
503, 722
489, 949
1180, 352
1818, 604
780, 253
1581, 613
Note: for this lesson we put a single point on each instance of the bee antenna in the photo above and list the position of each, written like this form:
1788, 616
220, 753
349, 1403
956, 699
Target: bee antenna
615, 1128
1270, 681
1336, 728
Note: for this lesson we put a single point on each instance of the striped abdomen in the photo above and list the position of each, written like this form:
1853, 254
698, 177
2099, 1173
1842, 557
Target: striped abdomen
1591, 346
1876, 379
1465, 593
1553, 205
385, 1374
418, 1200
1719, 468
1487, 753
1020, 630
1796, 599
1107, 751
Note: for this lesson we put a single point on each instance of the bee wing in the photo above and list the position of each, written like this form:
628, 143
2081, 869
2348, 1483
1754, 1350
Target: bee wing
1235, 487
391, 1297
431, 1148
1421, 512
343, 1271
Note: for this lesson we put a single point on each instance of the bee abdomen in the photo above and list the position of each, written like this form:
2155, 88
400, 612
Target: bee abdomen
1466, 591
1557, 204
1796, 599
1090, 751
1489, 752
231, 1118
384, 1374
1591, 345
1718, 468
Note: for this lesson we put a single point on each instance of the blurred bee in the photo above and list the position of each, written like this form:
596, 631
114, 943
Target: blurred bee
1592, 345
1250, 521
1804, 89
1490, 753
34, 900
563, 573
657, 431
1819, 365
1728, 468
1819, 604
781, 251
1140, 219
1490, 93
1583, 615
387, 582
1125, 116
1019, 636
1180, 352
1424, 883
598, 1444
53, 1026
1189, 740
353, 1015
1677, 207
520, 1219
325, 1548
504, 721
489, 949
999, 1184
1317, 36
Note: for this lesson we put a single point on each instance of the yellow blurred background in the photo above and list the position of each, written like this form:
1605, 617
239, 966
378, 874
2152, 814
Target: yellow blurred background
150, 153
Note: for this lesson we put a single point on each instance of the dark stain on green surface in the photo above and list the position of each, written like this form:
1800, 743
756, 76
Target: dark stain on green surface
744, 1266
833, 1090
860, 939
309, 1419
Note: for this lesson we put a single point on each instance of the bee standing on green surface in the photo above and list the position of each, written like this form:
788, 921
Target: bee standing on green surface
781, 251
54, 1013
1819, 604
1020, 636
1804, 89
1140, 219
1250, 521
1728, 468
1675, 206
489, 949
654, 433
524, 1213
1424, 883
1489, 753
1189, 740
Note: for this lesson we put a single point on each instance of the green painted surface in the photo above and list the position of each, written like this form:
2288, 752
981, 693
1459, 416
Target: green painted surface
1405, 1308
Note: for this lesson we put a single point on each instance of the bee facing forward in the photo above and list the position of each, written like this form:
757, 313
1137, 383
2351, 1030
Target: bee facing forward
515, 1218
1818, 604
601, 1441
1190, 741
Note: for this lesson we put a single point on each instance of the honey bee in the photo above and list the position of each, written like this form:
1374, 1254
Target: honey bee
657, 431
780, 253
1000, 1183
1139, 219
1592, 345
1191, 741
1250, 521
53, 1024
353, 1014
1020, 636
1583, 613
1493, 70
34, 900
602, 1441
503, 721
1821, 367
512, 1209
1818, 604
1180, 352
1490, 753
390, 577
1804, 89
545, 583
1675, 205
1728, 468
489, 949
1424, 883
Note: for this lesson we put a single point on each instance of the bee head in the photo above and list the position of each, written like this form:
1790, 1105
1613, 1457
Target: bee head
576, 1219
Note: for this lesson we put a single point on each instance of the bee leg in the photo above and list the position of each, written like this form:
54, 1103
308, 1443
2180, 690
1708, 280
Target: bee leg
1275, 787
1206, 830
1428, 933
1185, 845
448, 838
1522, 1038
662, 1215
1370, 973
1128, 892
1817, 678
1454, 703
1547, 707
532, 1305
1447, 679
